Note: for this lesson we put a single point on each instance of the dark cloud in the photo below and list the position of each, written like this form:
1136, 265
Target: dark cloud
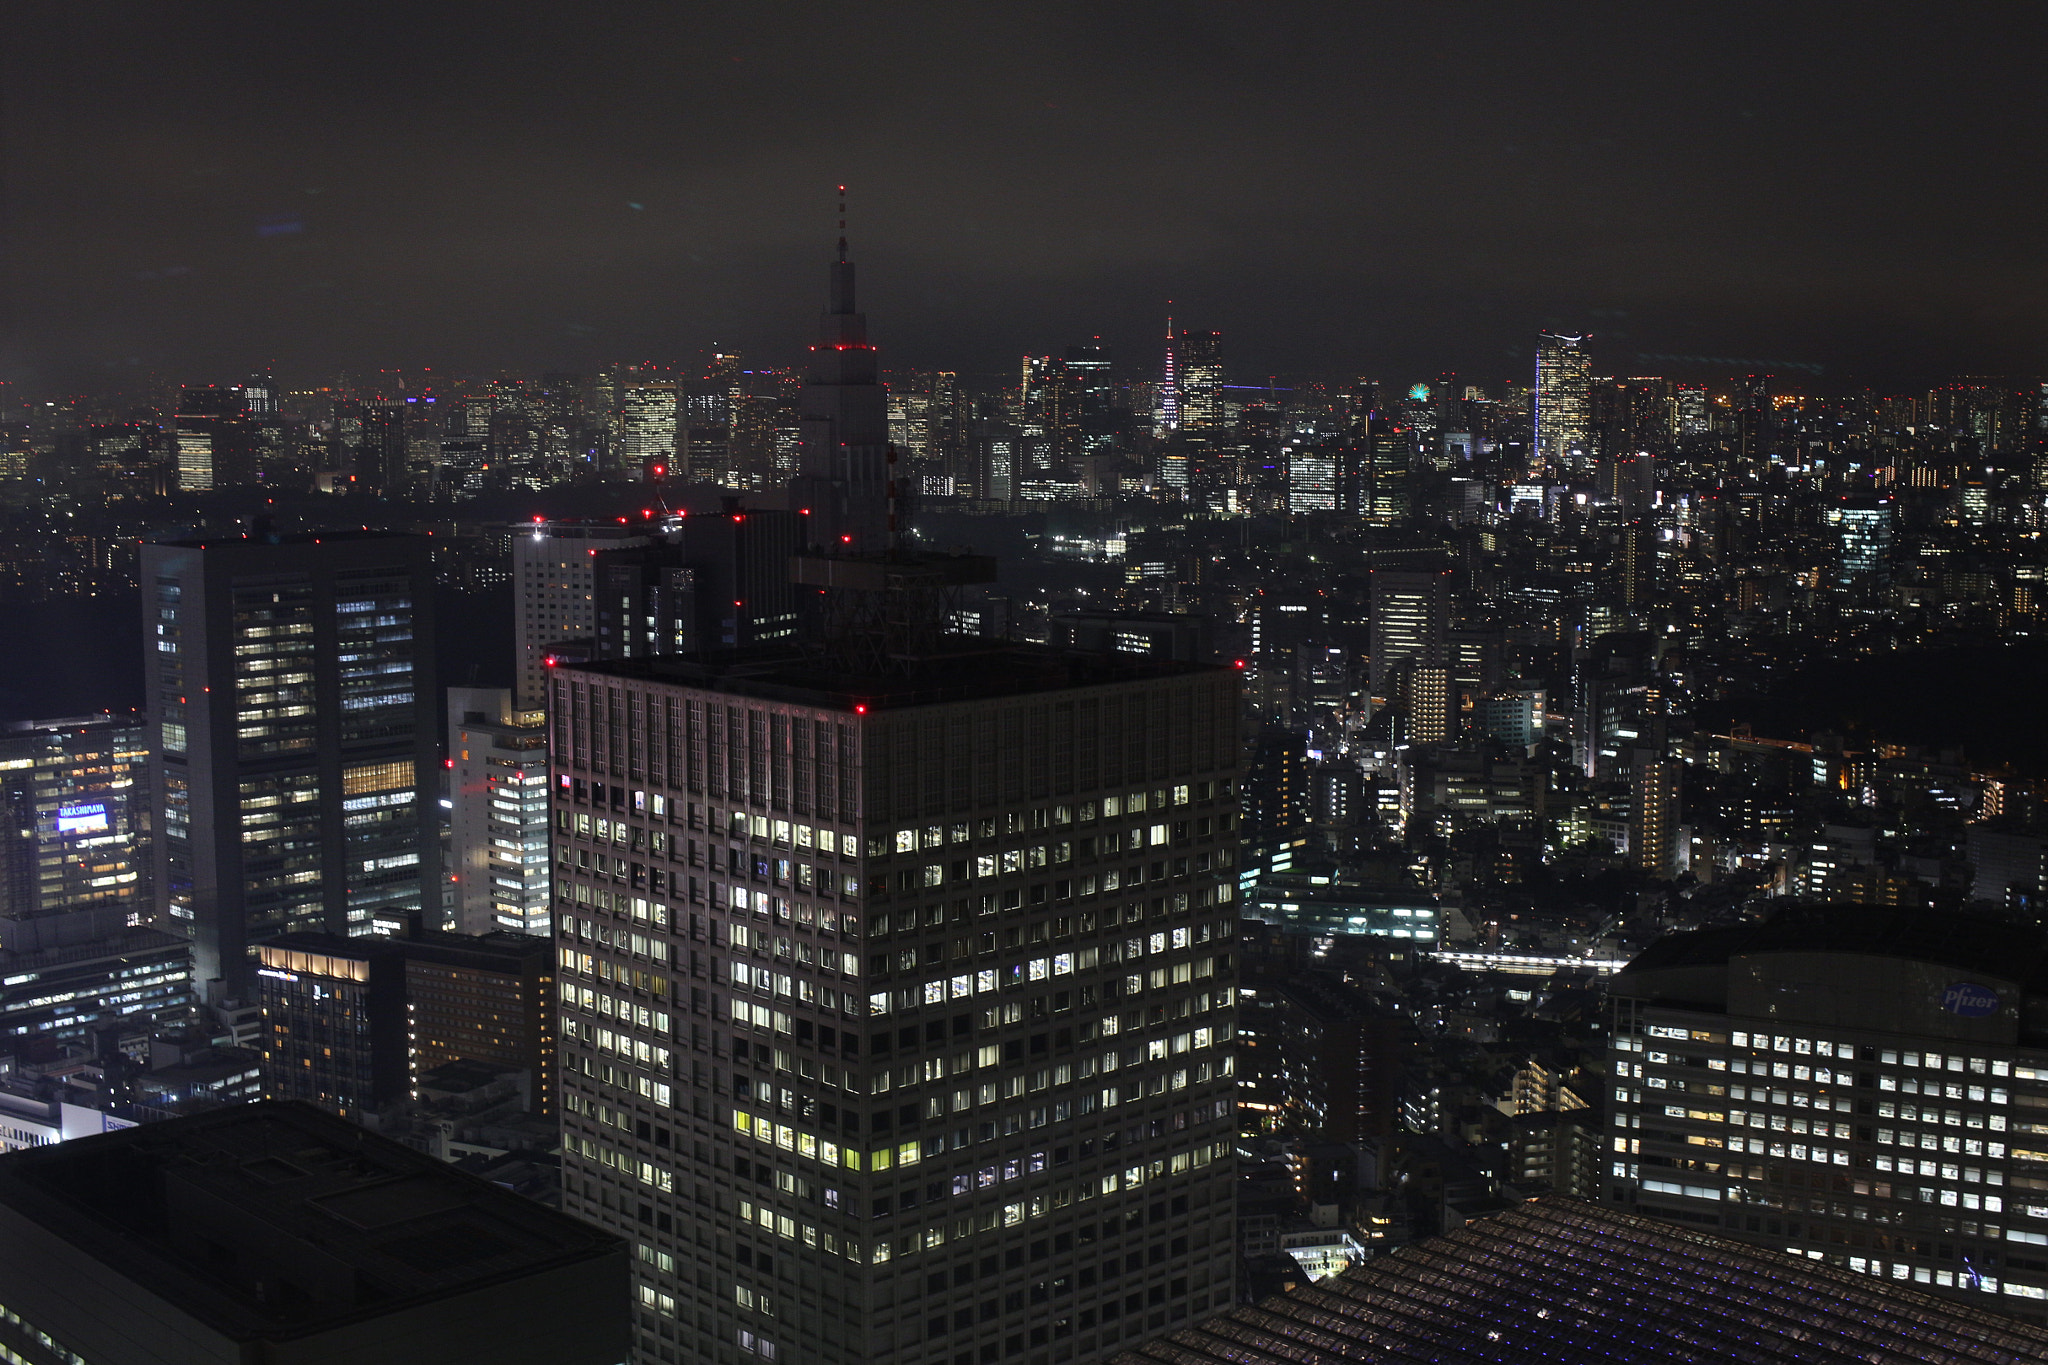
1396, 188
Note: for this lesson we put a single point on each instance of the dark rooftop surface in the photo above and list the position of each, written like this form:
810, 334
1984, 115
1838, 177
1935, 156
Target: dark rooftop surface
1557, 1281
980, 670
350, 534
1972, 943
277, 1218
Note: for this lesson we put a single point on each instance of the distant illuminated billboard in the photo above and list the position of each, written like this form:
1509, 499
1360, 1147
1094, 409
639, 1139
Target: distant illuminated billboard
82, 819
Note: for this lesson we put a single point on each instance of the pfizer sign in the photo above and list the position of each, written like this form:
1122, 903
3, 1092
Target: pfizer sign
1969, 1000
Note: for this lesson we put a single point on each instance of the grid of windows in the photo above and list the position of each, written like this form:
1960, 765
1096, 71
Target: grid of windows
1912, 1164
970, 1072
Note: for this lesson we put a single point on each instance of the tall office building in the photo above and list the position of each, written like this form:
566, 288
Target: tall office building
384, 454
844, 470
1753, 419
709, 582
216, 442
1411, 610
704, 421
1198, 358
74, 822
648, 426
291, 698
498, 813
553, 593
896, 1009
1854, 1084
1312, 474
276, 1233
1863, 536
1380, 468
1564, 383
1094, 400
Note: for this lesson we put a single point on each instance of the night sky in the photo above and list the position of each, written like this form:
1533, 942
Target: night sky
195, 190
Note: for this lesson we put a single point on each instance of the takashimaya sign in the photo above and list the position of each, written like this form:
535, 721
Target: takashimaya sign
1969, 1000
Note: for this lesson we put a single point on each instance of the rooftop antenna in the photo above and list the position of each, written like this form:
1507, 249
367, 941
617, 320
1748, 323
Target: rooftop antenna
842, 224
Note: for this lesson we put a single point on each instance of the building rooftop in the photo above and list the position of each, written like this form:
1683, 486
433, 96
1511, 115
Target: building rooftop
1558, 1280
778, 673
259, 540
276, 1219
496, 949
1969, 943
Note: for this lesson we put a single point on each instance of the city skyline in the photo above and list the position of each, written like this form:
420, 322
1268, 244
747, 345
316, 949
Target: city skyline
1499, 755
1682, 193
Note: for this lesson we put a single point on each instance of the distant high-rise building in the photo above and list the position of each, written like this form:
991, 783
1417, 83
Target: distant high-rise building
1002, 455
1753, 418
498, 813
384, 453
291, 698
1410, 621
553, 587
1199, 371
981, 876
1312, 477
74, 822
704, 422
647, 425
275, 1232
1385, 453
844, 482
1688, 410
216, 442
1094, 399
719, 581
1410, 627
1863, 535
1564, 380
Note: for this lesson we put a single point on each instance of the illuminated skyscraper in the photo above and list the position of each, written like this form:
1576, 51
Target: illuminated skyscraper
1411, 621
553, 578
291, 697
73, 822
1094, 418
647, 426
1863, 533
1564, 381
844, 472
1753, 414
1386, 451
1199, 361
896, 1009
498, 817
1312, 470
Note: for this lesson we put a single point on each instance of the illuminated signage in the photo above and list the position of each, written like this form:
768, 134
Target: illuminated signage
1970, 1000
82, 819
